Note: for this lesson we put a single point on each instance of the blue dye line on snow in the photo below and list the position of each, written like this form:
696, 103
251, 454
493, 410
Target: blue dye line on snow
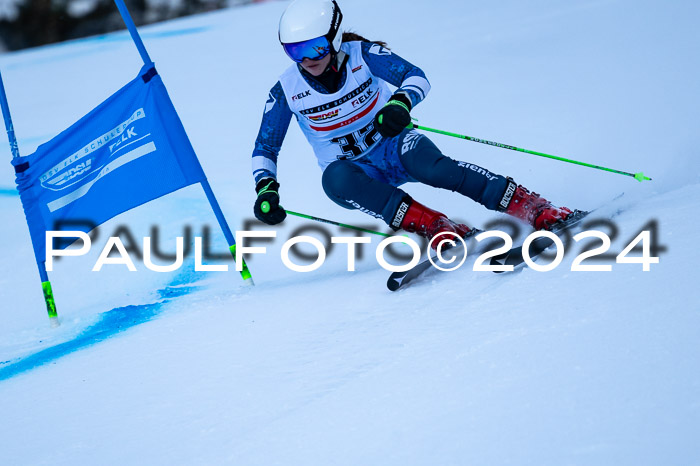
123, 36
100, 41
111, 322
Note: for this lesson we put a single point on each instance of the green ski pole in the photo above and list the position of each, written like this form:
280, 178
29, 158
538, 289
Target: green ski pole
265, 207
637, 176
331, 222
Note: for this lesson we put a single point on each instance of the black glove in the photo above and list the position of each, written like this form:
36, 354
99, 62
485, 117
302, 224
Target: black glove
394, 116
267, 206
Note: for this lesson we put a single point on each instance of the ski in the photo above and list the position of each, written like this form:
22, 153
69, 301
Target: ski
515, 257
398, 280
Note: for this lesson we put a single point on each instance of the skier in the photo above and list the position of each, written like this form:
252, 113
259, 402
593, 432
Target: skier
337, 89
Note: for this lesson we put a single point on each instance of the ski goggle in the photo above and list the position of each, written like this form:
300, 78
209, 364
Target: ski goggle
313, 49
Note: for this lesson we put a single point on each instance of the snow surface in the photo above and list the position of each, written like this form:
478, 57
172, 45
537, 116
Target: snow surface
329, 367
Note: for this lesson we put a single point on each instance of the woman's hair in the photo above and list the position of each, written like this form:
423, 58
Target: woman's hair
351, 36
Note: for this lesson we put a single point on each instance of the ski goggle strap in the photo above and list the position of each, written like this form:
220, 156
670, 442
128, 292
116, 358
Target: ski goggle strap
313, 49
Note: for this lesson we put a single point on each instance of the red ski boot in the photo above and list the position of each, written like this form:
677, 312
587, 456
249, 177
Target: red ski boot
427, 223
535, 210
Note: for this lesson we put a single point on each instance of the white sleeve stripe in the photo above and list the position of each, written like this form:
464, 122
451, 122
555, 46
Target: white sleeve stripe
418, 82
263, 163
416, 89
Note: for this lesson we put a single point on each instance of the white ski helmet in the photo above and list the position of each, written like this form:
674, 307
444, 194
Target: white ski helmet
309, 19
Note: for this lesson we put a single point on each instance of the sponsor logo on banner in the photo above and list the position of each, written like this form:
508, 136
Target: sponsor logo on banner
79, 171
80, 165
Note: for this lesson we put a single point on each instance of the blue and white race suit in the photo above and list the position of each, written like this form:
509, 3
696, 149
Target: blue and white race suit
362, 170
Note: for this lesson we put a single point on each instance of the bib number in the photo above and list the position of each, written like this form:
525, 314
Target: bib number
355, 144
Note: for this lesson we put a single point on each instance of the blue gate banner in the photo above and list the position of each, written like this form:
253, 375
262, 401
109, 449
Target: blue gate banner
129, 150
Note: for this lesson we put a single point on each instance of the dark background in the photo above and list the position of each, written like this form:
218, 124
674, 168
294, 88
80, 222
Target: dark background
30, 23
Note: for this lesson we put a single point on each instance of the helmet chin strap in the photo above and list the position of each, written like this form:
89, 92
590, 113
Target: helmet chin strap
333, 63
336, 61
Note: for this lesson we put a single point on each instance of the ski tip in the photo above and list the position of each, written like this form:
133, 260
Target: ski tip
499, 260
